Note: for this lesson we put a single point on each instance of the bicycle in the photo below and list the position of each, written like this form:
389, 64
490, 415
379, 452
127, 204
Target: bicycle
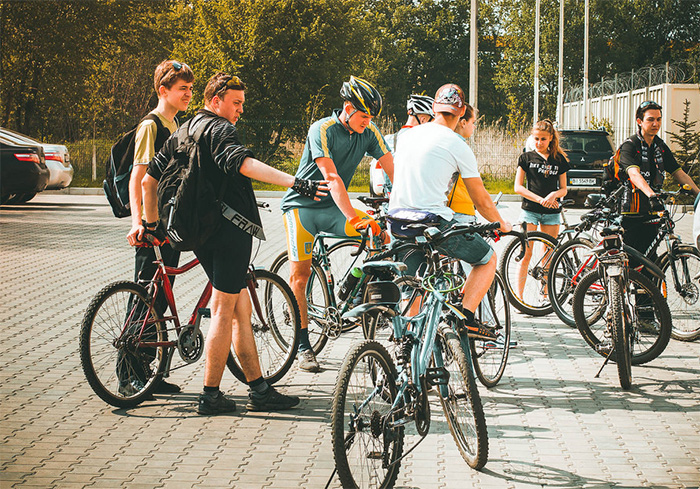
489, 357
533, 299
124, 337
334, 264
373, 401
616, 293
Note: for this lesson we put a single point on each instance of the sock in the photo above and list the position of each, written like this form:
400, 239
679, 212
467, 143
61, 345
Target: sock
211, 390
304, 343
468, 314
259, 385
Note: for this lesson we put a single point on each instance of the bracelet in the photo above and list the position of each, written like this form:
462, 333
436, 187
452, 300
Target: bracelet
149, 225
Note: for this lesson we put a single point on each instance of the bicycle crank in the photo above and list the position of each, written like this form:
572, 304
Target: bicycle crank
190, 344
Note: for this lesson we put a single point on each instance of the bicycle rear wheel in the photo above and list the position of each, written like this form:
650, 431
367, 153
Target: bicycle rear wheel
570, 263
461, 401
619, 319
526, 282
591, 306
121, 371
317, 298
276, 324
490, 357
684, 301
366, 448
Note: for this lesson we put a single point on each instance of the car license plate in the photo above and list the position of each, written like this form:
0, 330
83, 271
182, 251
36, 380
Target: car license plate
582, 181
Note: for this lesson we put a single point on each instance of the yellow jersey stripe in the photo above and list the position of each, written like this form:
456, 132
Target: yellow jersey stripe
380, 139
324, 137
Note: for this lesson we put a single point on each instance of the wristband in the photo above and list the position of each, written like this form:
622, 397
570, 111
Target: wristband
149, 224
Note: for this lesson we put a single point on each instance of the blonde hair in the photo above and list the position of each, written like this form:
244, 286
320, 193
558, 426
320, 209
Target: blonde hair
555, 150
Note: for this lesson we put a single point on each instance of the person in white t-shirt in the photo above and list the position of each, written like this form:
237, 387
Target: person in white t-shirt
427, 163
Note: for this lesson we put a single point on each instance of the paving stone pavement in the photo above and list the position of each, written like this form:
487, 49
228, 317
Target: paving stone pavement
550, 422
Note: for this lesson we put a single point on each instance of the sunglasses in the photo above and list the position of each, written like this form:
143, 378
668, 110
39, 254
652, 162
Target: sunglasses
232, 82
177, 66
649, 104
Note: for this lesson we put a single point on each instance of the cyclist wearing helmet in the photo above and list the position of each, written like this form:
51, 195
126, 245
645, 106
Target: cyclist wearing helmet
420, 110
334, 147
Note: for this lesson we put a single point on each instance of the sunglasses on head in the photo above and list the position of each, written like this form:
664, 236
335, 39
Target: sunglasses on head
232, 82
177, 66
649, 104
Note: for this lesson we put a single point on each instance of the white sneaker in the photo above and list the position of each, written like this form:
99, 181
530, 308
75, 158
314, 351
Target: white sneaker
307, 361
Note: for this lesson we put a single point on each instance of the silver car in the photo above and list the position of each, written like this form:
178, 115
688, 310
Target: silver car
57, 159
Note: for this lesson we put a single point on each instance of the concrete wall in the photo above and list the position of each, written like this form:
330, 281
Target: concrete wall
619, 109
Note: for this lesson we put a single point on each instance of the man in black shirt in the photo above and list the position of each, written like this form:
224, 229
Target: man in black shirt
225, 256
646, 159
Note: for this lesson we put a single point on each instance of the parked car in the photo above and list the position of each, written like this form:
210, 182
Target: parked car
376, 179
23, 171
588, 150
57, 159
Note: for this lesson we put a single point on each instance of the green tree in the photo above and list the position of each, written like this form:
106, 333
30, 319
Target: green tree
688, 141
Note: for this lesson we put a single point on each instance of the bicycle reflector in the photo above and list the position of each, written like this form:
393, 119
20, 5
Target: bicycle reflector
383, 292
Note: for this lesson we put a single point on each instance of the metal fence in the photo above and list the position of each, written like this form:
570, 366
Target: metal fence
496, 151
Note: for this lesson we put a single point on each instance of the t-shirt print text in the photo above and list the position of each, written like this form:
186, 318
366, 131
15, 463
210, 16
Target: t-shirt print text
546, 169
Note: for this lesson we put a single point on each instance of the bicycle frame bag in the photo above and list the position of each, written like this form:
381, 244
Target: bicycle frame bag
400, 221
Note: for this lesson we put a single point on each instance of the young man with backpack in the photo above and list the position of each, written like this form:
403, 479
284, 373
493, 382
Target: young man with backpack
173, 84
227, 165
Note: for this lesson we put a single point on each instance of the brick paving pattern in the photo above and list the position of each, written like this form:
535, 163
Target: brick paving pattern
550, 422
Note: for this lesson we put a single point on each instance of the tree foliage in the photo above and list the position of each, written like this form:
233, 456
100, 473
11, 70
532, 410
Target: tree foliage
73, 69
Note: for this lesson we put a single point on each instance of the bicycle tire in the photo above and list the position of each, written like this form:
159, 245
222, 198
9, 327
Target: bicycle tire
647, 344
565, 272
685, 305
119, 372
277, 338
620, 336
534, 301
317, 298
490, 357
364, 448
461, 402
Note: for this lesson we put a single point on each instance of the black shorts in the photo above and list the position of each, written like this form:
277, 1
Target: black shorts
225, 258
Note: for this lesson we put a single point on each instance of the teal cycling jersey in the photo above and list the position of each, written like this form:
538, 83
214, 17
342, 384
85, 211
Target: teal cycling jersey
329, 138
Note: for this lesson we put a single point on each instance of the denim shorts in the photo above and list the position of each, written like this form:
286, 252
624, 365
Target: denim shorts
539, 218
470, 248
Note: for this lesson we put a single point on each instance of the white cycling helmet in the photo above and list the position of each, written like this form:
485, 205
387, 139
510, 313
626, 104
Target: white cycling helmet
420, 104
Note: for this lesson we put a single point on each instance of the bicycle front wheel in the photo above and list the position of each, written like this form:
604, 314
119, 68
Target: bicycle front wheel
684, 298
649, 338
619, 319
461, 402
276, 325
120, 370
490, 357
526, 278
318, 300
570, 263
366, 447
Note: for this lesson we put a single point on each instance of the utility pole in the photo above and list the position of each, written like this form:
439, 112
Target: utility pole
473, 57
584, 112
537, 64
560, 83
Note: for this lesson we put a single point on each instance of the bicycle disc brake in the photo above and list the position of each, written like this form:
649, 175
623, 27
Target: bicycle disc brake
190, 346
333, 325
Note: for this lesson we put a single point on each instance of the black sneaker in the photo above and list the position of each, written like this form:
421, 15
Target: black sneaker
164, 387
215, 404
270, 401
130, 389
478, 330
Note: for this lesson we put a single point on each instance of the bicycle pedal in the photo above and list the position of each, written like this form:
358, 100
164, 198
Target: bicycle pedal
374, 455
204, 312
436, 376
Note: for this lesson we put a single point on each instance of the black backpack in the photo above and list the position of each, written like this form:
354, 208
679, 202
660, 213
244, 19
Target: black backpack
120, 163
189, 209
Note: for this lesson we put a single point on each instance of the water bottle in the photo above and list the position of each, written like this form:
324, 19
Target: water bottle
349, 284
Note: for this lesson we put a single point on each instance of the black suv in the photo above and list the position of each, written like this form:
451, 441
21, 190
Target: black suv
587, 151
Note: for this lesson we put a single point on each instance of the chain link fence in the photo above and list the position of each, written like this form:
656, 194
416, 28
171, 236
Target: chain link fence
496, 151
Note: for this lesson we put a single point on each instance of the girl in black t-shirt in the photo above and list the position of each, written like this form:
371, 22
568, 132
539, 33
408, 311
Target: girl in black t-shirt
545, 169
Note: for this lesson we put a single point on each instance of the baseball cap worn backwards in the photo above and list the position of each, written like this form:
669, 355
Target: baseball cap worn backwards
449, 98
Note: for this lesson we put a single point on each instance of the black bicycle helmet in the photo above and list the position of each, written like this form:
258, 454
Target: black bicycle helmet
420, 104
362, 95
